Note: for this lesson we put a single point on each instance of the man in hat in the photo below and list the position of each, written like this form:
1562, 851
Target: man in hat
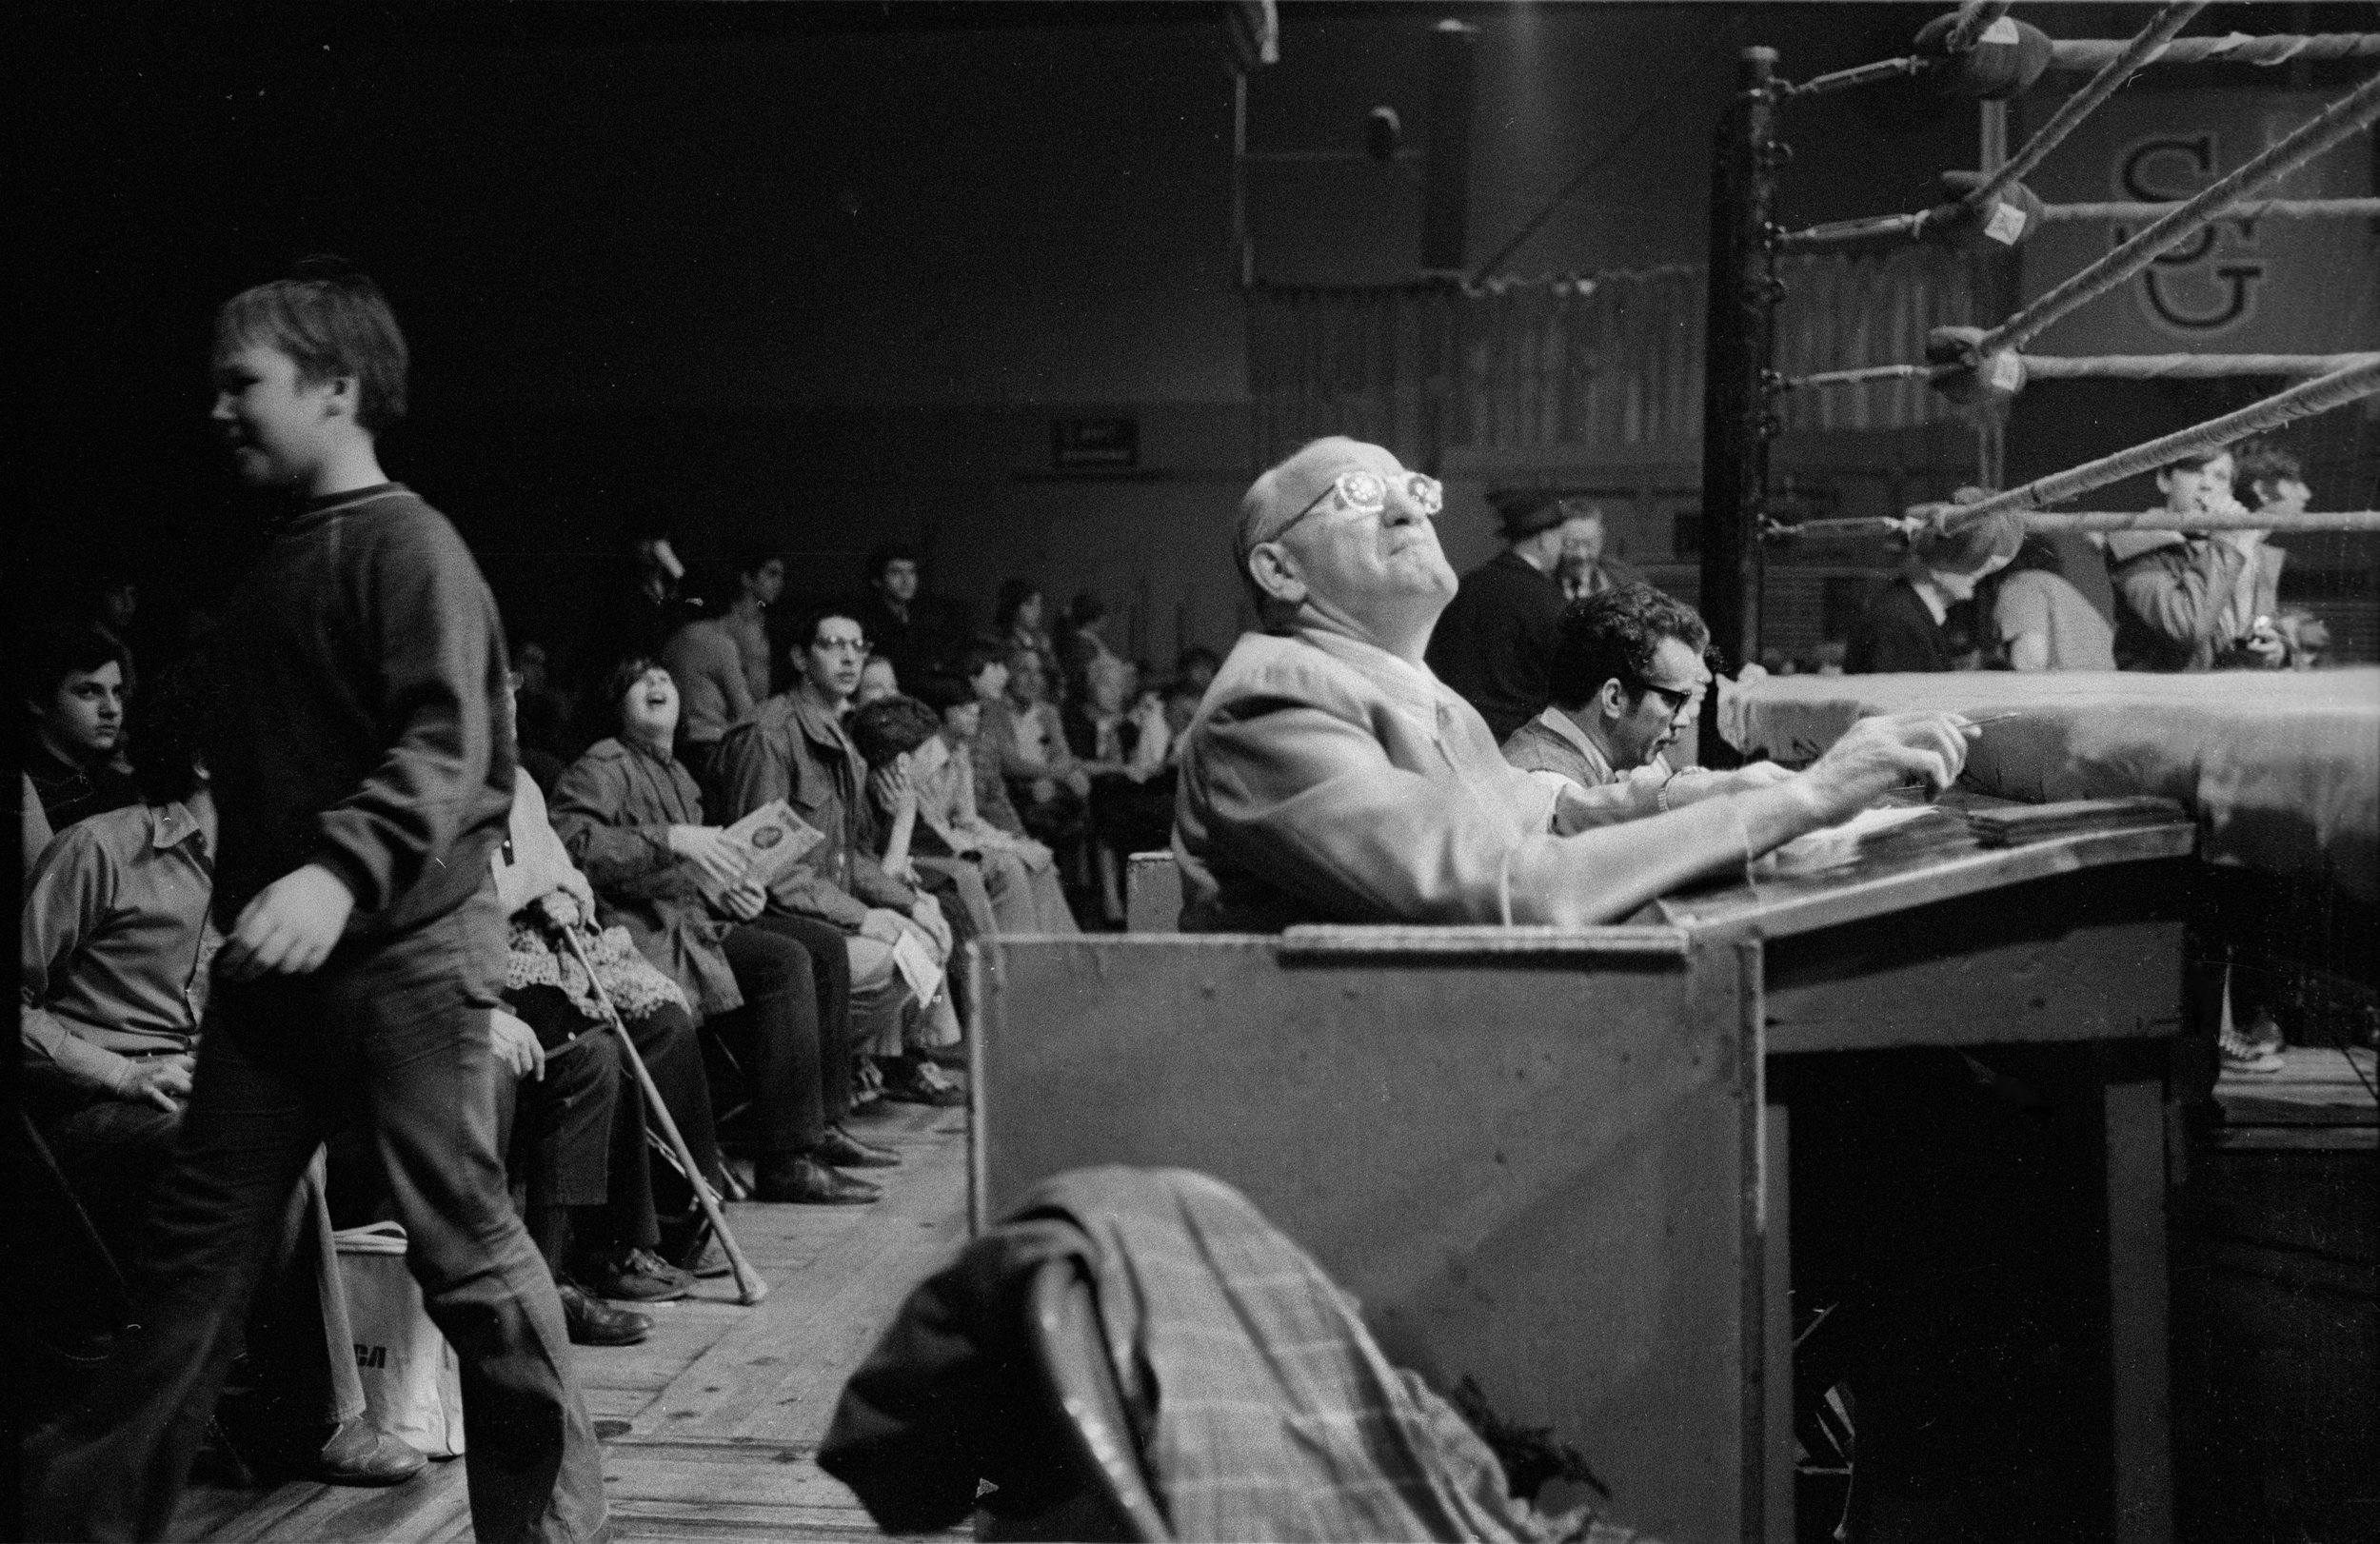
1906, 626
1330, 777
1492, 644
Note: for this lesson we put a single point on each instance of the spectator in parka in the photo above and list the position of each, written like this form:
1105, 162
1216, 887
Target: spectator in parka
796, 749
632, 821
2195, 601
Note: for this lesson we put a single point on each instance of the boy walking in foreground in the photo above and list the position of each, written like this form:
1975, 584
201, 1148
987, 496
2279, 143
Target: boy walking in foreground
362, 775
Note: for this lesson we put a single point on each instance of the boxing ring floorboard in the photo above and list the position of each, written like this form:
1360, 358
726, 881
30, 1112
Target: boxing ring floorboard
715, 1420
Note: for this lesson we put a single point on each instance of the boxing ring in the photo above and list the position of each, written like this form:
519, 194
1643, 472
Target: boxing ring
1560, 1166
2282, 776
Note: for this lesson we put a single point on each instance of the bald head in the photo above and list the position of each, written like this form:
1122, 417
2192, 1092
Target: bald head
1371, 570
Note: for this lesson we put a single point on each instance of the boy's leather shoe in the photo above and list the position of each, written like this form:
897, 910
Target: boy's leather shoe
362, 1453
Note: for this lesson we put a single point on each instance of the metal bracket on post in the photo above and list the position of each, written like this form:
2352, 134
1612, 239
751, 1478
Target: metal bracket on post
1741, 335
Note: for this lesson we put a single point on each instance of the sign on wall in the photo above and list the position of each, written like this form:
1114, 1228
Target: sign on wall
2239, 285
1094, 445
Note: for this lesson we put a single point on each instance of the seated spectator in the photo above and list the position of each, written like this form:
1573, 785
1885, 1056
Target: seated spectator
984, 671
1120, 735
115, 965
554, 1116
116, 602
1020, 621
1627, 676
639, 607
925, 745
2043, 621
631, 820
2278, 481
916, 631
796, 749
2195, 601
720, 663
74, 722
1330, 777
1080, 642
1909, 627
1050, 789
1193, 669
540, 715
545, 897
878, 681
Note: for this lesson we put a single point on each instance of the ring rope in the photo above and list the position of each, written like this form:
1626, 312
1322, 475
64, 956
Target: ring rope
2071, 111
2231, 48
1911, 227
2095, 520
2342, 119
2304, 399
1843, 80
2096, 368
2254, 209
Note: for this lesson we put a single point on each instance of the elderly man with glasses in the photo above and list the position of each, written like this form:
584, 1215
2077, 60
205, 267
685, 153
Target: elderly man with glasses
1329, 776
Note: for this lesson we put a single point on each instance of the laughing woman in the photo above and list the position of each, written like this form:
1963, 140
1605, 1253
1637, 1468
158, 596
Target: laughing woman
631, 818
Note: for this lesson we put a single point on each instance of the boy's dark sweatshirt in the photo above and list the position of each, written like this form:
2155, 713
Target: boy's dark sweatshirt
362, 663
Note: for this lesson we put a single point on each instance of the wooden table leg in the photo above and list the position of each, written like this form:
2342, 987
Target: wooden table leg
2138, 1344
1777, 1316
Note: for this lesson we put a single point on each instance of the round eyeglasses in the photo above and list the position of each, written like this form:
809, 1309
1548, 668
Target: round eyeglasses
1366, 493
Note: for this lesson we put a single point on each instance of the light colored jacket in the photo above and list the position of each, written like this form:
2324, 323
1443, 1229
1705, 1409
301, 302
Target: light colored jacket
1325, 780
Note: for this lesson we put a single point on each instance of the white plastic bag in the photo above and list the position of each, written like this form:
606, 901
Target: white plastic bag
412, 1383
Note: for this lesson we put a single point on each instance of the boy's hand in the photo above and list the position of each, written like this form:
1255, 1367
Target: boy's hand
560, 908
164, 1081
882, 925
516, 1045
707, 848
746, 902
290, 927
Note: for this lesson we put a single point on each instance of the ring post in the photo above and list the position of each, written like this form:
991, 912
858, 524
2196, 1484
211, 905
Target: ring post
1736, 417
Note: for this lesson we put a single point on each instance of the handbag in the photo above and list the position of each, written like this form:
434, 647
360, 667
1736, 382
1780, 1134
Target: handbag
412, 1381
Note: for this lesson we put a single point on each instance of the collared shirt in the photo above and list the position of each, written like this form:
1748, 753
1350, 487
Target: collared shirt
69, 791
1553, 745
116, 944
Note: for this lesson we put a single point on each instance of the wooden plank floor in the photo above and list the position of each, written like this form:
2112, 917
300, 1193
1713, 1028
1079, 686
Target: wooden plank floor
2321, 1098
710, 1426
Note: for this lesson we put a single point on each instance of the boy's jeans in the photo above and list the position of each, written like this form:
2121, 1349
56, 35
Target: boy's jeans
392, 1034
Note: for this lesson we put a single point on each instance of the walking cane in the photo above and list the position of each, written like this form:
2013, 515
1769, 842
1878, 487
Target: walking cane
749, 1287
